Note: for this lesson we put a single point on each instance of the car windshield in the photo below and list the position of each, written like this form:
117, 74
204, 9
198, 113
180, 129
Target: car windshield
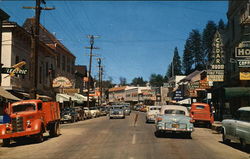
174, 111
92, 108
24, 107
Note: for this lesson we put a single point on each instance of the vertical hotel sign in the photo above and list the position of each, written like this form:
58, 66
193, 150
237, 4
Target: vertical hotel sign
216, 72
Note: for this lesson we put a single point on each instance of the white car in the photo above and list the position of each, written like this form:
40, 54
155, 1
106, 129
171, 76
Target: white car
237, 129
87, 112
94, 112
152, 113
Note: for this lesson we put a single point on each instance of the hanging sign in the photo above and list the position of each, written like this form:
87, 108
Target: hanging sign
244, 74
243, 63
216, 73
61, 82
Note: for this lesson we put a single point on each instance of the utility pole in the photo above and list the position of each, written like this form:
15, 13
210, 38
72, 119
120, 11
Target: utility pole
35, 44
92, 38
99, 60
101, 83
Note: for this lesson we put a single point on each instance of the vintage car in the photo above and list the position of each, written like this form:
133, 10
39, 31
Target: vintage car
201, 114
116, 112
95, 112
80, 113
174, 119
152, 112
237, 129
69, 115
87, 112
127, 110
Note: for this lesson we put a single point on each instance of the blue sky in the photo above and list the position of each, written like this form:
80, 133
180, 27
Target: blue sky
136, 38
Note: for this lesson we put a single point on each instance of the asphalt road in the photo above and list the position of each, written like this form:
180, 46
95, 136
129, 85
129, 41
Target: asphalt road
102, 138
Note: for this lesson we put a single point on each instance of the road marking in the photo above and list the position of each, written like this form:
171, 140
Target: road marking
133, 139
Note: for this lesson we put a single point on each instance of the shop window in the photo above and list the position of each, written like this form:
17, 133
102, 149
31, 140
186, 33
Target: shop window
63, 63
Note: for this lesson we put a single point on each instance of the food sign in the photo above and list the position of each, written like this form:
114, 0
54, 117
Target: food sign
62, 82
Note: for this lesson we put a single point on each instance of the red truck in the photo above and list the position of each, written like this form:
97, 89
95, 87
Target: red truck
31, 118
201, 113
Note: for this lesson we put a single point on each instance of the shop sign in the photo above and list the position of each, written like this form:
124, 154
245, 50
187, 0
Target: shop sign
6, 70
243, 63
216, 73
178, 95
245, 74
61, 82
204, 85
194, 85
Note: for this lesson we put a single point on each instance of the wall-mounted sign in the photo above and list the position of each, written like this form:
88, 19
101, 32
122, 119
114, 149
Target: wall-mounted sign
216, 73
178, 95
62, 82
244, 73
242, 52
243, 63
71, 90
6, 70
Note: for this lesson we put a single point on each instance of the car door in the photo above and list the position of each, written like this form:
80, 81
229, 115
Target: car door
243, 126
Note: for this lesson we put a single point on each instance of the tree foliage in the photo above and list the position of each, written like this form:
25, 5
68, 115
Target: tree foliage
156, 80
221, 25
123, 81
187, 60
138, 81
207, 40
176, 63
195, 38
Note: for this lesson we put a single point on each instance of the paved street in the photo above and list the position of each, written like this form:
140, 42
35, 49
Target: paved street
102, 138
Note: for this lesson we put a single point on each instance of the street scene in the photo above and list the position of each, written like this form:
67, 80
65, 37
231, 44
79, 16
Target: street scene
125, 79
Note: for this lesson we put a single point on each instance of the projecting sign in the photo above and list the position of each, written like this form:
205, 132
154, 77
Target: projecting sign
6, 70
216, 73
242, 52
243, 63
244, 74
61, 82
178, 95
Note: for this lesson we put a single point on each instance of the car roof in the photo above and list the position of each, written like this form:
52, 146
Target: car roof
179, 107
245, 108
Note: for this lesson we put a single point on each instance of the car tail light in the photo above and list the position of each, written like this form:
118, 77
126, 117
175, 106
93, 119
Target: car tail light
192, 121
158, 119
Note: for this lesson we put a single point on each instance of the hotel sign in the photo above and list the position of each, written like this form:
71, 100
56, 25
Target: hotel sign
216, 73
243, 63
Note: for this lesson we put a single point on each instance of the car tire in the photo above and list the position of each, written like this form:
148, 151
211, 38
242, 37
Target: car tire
39, 137
6, 142
158, 134
243, 144
224, 139
188, 135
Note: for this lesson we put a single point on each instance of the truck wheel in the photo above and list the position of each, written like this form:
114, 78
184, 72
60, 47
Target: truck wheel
39, 137
243, 144
188, 135
6, 142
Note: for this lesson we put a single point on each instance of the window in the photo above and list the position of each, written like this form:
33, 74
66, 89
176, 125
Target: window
40, 74
23, 107
174, 111
58, 61
244, 116
68, 64
47, 69
200, 107
39, 106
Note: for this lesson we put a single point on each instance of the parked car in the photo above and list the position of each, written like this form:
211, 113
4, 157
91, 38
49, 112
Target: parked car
94, 112
238, 128
201, 114
174, 119
102, 111
116, 112
87, 112
152, 112
127, 110
80, 113
69, 115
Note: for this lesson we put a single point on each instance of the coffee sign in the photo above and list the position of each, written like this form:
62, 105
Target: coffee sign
62, 82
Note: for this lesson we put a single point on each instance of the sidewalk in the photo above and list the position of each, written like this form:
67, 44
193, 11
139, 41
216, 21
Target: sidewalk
216, 126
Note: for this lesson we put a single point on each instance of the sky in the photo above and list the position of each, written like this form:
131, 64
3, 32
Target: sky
136, 38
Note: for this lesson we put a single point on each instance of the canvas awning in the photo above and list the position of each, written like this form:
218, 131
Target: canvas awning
237, 92
185, 101
7, 95
65, 97
81, 97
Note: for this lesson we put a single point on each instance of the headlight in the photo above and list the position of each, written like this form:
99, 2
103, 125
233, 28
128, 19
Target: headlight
28, 123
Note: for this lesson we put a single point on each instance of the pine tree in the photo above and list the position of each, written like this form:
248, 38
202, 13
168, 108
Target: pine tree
196, 50
176, 63
169, 72
221, 25
207, 41
187, 60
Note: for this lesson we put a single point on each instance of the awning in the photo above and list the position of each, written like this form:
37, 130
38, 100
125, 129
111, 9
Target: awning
7, 95
185, 101
81, 97
43, 97
237, 92
65, 97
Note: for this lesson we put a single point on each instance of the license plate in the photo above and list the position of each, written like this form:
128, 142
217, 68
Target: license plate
175, 125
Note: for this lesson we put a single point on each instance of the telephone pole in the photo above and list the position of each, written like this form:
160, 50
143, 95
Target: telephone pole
92, 40
99, 60
35, 44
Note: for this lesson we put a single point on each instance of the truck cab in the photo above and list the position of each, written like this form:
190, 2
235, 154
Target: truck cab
31, 118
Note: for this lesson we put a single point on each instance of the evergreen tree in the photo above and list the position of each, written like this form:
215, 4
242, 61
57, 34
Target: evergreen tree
138, 81
123, 81
156, 80
176, 63
207, 41
196, 50
169, 72
221, 25
187, 60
